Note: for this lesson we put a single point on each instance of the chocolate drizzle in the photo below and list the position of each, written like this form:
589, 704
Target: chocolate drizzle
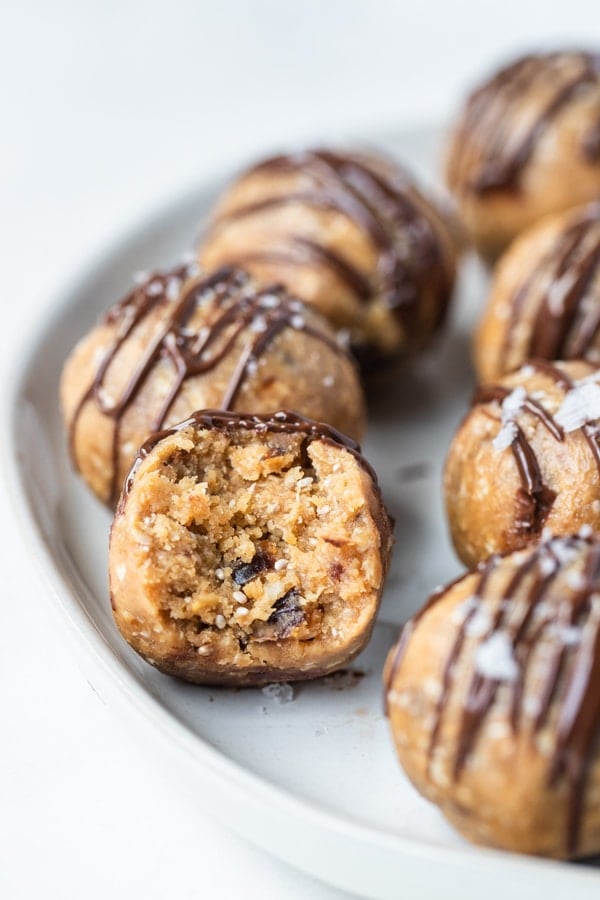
537, 603
564, 327
497, 125
410, 258
534, 498
239, 312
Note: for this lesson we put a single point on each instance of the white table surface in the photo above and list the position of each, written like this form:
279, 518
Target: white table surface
106, 109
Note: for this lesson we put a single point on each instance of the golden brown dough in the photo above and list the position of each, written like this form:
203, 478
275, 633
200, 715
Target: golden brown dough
526, 144
544, 300
248, 550
526, 457
350, 234
493, 700
182, 341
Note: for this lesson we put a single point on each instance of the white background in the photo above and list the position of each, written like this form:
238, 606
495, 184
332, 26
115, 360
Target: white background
106, 109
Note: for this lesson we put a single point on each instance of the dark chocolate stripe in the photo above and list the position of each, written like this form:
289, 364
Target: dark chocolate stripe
589, 431
569, 679
490, 114
191, 354
381, 206
565, 333
534, 498
301, 252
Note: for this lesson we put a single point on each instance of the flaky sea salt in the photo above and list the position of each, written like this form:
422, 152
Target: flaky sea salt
494, 658
569, 635
479, 624
580, 406
328, 381
511, 406
297, 322
547, 564
464, 609
258, 324
154, 289
279, 693
575, 580
192, 270
563, 551
558, 290
269, 301
513, 402
505, 436
173, 288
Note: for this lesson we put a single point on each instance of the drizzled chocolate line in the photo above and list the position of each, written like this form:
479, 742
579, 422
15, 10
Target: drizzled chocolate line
382, 208
301, 251
397, 654
191, 351
566, 332
560, 378
571, 674
492, 110
534, 498
497, 394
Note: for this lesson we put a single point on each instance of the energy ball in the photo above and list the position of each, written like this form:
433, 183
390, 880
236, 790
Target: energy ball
525, 458
248, 550
181, 341
526, 144
544, 300
493, 700
350, 234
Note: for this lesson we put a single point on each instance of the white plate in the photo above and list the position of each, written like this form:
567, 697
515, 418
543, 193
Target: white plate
313, 781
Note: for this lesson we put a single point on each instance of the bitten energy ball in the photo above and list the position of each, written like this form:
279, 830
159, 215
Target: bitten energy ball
248, 550
544, 300
526, 144
180, 342
349, 234
526, 457
493, 700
